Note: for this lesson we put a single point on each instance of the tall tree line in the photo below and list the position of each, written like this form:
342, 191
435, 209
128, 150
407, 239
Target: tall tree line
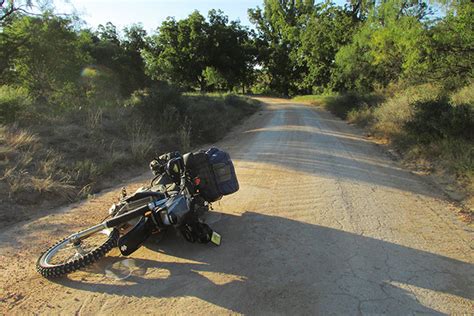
295, 47
309, 47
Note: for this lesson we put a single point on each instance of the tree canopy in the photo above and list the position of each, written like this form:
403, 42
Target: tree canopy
295, 47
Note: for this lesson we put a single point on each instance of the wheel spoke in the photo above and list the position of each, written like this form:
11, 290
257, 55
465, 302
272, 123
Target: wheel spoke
72, 254
68, 251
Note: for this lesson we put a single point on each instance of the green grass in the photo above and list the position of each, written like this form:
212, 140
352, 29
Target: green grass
313, 99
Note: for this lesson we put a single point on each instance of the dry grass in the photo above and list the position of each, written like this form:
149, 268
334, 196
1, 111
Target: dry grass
184, 136
17, 138
94, 118
464, 95
362, 117
142, 139
391, 116
59, 157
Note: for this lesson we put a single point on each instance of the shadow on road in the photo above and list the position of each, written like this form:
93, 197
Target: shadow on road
269, 264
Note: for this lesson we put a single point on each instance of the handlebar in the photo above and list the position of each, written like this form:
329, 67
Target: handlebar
172, 164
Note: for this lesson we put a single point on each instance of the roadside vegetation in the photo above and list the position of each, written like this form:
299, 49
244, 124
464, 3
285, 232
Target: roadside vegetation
79, 109
66, 155
80, 105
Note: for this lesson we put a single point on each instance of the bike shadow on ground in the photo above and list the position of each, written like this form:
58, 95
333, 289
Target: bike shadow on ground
269, 264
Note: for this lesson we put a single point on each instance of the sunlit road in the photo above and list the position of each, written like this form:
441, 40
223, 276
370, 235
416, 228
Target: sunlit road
325, 223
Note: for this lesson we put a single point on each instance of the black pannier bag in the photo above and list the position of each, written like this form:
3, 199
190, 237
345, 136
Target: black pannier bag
216, 172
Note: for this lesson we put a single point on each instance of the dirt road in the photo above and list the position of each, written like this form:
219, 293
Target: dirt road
325, 223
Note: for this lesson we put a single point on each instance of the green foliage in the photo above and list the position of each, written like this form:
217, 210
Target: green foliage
423, 122
318, 99
389, 46
101, 86
452, 46
465, 95
342, 104
392, 114
362, 116
161, 103
12, 101
327, 30
192, 51
48, 54
437, 119
279, 27
204, 118
211, 117
120, 57
9, 8
214, 78
181, 46
306, 48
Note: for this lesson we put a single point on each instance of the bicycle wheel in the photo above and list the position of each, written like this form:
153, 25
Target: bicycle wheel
67, 255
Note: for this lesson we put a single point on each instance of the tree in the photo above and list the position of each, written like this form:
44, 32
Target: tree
328, 28
135, 41
359, 9
452, 46
9, 7
182, 47
49, 57
231, 50
214, 78
121, 57
192, 51
278, 29
108, 33
391, 45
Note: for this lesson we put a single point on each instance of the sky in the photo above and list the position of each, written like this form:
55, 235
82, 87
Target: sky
150, 13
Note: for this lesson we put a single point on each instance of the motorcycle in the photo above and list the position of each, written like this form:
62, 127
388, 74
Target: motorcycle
178, 197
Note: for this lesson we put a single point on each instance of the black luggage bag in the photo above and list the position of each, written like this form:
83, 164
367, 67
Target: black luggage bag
216, 173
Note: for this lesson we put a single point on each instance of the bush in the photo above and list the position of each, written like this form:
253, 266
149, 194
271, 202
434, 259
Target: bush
428, 121
437, 119
391, 116
211, 117
362, 117
161, 104
341, 105
12, 101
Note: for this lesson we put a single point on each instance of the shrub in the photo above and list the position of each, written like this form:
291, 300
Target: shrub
437, 119
455, 154
392, 115
342, 104
362, 117
206, 119
12, 101
317, 99
211, 117
162, 104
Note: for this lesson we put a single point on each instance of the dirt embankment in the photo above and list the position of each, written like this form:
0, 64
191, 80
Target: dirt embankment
324, 222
